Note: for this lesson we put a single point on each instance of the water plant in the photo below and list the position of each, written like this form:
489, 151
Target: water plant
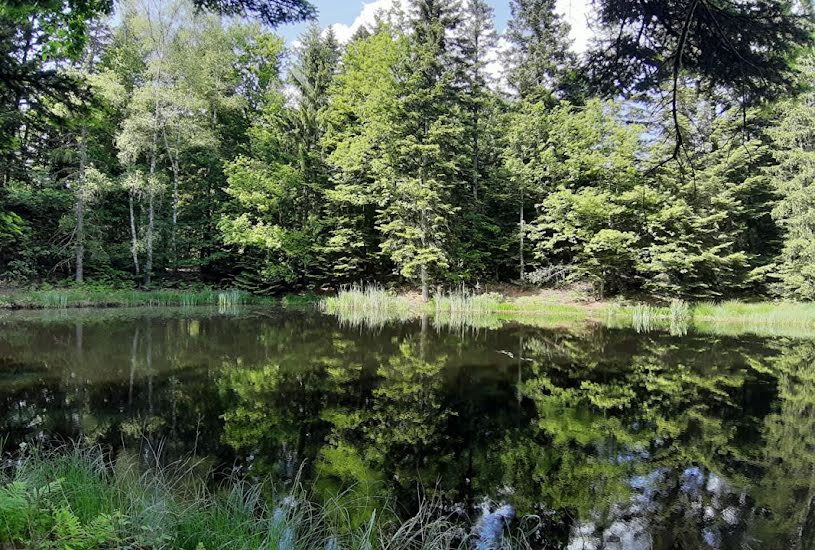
368, 305
644, 317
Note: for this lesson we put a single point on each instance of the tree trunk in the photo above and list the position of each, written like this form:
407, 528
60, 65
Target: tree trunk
80, 198
174, 166
79, 243
521, 240
134, 250
475, 153
425, 285
148, 263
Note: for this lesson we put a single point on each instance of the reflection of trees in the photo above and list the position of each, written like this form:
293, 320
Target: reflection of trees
598, 432
618, 408
787, 489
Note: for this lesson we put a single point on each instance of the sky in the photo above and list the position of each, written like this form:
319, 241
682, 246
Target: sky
348, 15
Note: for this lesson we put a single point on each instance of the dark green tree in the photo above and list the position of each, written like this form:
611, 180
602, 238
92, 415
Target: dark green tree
539, 58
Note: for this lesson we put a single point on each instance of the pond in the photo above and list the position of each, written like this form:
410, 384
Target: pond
598, 436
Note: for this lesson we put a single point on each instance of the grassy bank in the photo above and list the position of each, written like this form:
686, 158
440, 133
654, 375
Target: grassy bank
110, 297
74, 498
374, 305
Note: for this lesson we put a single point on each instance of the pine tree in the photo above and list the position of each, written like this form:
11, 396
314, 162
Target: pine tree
539, 59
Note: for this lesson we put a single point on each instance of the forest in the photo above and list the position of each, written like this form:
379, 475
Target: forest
154, 144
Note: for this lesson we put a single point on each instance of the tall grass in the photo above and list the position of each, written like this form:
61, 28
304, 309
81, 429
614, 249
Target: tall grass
75, 498
676, 317
644, 317
102, 297
465, 301
462, 309
368, 305
763, 318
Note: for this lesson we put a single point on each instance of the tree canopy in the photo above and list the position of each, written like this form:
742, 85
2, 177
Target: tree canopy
172, 144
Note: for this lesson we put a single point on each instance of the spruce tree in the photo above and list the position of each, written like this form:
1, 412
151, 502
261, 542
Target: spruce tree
420, 165
793, 178
357, 123
539, 58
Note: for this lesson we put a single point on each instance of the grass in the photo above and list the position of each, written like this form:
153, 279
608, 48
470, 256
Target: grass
792, 319
108, 297
368, 305
299, 300
74, 498
462, 308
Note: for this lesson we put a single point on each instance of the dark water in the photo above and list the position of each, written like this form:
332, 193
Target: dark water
607, 438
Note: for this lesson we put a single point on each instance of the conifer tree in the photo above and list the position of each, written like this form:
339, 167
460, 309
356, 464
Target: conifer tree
420, 165
357, 123
539, 58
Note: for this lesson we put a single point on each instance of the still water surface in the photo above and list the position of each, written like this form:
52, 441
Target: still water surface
606, 438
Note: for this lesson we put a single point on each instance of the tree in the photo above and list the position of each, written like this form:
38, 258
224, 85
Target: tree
539, 60
357, 122
421, 157
93, 123
744, 50
279, 186
35, 32
476, 41
793, 177
34, 37
311, 75
270, 12
583, 162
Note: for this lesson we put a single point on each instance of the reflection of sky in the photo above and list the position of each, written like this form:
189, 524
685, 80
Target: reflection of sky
705, 499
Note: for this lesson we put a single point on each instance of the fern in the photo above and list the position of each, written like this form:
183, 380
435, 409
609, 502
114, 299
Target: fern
16, 510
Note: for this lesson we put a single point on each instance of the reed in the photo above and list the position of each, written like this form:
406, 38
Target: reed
644, 317
368, 305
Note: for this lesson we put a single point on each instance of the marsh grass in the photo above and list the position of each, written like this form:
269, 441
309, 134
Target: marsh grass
465, 301
105, 297
790, 319
463, 309
368, 305
75, 497
676, 317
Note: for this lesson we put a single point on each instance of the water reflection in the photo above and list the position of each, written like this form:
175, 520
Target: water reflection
603, 438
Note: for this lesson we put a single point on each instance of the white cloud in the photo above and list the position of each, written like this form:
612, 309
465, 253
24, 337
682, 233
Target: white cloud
366, 17
575, 12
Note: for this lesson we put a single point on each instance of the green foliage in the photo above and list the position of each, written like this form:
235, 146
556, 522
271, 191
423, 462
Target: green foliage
793, 178
162, 508
188, 155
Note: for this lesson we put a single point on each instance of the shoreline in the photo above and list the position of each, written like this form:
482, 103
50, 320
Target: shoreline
507, 303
